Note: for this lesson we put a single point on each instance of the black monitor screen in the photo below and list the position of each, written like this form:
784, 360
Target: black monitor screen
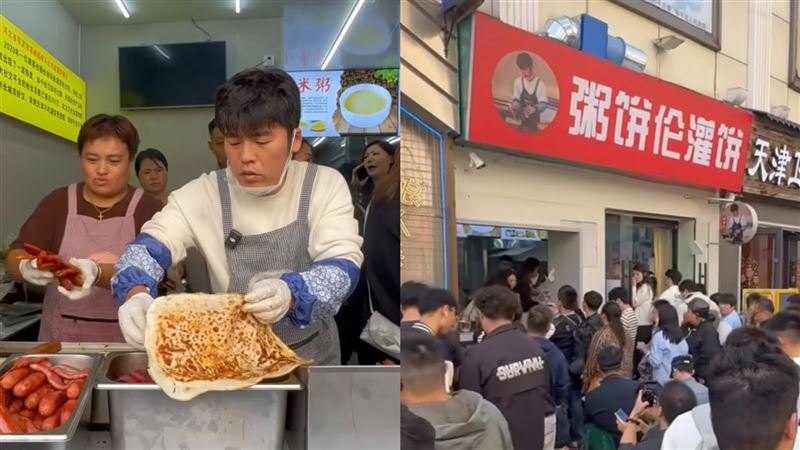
170, 75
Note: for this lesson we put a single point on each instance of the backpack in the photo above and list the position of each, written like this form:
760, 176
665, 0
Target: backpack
708, 440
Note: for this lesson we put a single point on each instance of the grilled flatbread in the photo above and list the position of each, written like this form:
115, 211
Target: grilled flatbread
197, 343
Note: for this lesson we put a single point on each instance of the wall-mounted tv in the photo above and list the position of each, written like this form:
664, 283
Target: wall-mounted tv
170, 75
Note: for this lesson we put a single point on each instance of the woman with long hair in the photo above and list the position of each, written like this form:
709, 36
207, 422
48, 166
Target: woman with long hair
611, 335
643, 304
505, 277
667, 343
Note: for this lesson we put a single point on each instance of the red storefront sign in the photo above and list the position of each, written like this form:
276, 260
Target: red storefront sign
529, 94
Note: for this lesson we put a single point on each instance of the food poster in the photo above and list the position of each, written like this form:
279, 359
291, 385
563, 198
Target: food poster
348, 102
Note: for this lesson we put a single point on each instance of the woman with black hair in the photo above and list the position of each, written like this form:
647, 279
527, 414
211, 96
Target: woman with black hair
643, 303
611, 335
505, 277
667, 344
151, 170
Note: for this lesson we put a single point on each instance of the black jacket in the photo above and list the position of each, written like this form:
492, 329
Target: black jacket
614, 392
703, 344
564, 336
415, 432
509, 369
583, 339
382, 257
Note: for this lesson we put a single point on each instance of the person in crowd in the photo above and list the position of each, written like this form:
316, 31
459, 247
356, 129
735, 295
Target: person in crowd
611, 335
463, 420
690, 291
415, 432
701, 288
565, 321
643, 304
151, 169
730, 318
530, 281
539, 321
630, 321
584, 334
652, 420
438, 317
693, 429
615, 391
506, 262
745, 385
87, 224
216, 144
785, 326
793, 301
410, 293
280, 231
762, 311
702, 337
750, 303
304, 153
672, 293
505, 277
683, 371
494, 368
667, 343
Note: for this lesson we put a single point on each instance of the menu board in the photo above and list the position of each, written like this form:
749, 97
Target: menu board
348, 102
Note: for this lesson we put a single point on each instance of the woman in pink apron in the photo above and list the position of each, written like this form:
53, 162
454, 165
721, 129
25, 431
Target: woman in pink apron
87, 224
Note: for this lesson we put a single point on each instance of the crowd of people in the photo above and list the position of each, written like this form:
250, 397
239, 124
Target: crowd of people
681, 370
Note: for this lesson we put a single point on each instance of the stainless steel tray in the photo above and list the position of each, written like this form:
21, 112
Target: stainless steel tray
116, 364
65, 432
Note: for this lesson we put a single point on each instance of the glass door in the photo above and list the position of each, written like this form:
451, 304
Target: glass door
791, 245
761, 260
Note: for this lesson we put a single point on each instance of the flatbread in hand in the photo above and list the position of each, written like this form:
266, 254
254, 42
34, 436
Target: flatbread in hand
197, 343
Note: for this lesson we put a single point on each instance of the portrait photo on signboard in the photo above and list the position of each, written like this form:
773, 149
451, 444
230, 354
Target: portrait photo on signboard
738, 223
525, 91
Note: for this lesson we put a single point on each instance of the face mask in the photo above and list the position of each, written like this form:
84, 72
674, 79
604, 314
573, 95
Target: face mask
263, 191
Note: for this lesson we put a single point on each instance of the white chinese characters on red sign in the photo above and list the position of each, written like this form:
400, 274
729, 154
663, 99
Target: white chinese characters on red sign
704, 143
780, 166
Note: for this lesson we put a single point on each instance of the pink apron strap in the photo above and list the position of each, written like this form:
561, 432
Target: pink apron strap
137, 195
72, 199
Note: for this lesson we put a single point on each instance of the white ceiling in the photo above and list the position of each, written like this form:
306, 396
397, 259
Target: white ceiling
106, 12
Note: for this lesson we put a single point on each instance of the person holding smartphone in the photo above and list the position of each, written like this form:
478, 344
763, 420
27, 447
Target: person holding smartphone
652, 415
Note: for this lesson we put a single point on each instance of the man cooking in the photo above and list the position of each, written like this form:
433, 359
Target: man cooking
281, 231
88, 224
529, 95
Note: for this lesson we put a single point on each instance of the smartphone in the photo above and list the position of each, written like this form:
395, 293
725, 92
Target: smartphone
621, 416
362, 173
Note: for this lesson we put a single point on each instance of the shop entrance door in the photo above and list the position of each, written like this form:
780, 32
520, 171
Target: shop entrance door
761, 260
632, 240
791, 257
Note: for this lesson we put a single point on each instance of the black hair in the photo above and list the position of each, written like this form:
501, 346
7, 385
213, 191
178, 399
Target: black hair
507, 258
687, 285
751, 384
751, 299
668, 323
593, 300
726, 298
501, 278
734, 207
255, 99
613, 314
701, 288
674, 275
793, 300
675, 399
434, 299
715, 297
765, 304
153, 155
530, 264
524, 60
619, 293
497, 302
785, 324
539, 319
753, 338
211, 126
422, 365
410, 293
650, 278
641, 268
660, 302
568, 297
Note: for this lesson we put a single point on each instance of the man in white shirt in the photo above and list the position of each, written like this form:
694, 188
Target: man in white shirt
672, 293
529, 96
281, 231
689, 292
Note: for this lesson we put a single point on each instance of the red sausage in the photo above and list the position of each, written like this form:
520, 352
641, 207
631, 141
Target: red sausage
27, 413
69, 407
32, 401
52, 422
12, 377
52, 377
74, 389
51, 402
5, 397
7, 422
29, 384
37, 420
16, 405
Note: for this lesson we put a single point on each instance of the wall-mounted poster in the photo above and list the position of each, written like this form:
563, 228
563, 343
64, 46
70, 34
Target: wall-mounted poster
697, 19
348, 102
738, 223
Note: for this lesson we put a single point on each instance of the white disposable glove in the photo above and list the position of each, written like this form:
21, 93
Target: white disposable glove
89, 272
133, 318
32, 275
268, 300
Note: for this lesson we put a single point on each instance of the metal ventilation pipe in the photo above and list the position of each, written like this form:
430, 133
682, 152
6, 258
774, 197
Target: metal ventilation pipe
564, 29
626, 55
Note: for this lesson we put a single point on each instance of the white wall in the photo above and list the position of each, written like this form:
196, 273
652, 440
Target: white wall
181, 134
519, 191
34, 162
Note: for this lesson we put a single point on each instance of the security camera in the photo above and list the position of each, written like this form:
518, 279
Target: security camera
475, 161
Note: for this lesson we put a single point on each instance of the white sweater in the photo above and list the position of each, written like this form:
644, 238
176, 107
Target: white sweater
643, 304
193, 218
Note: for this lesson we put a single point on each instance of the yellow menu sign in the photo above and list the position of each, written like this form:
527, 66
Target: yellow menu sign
36, 88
